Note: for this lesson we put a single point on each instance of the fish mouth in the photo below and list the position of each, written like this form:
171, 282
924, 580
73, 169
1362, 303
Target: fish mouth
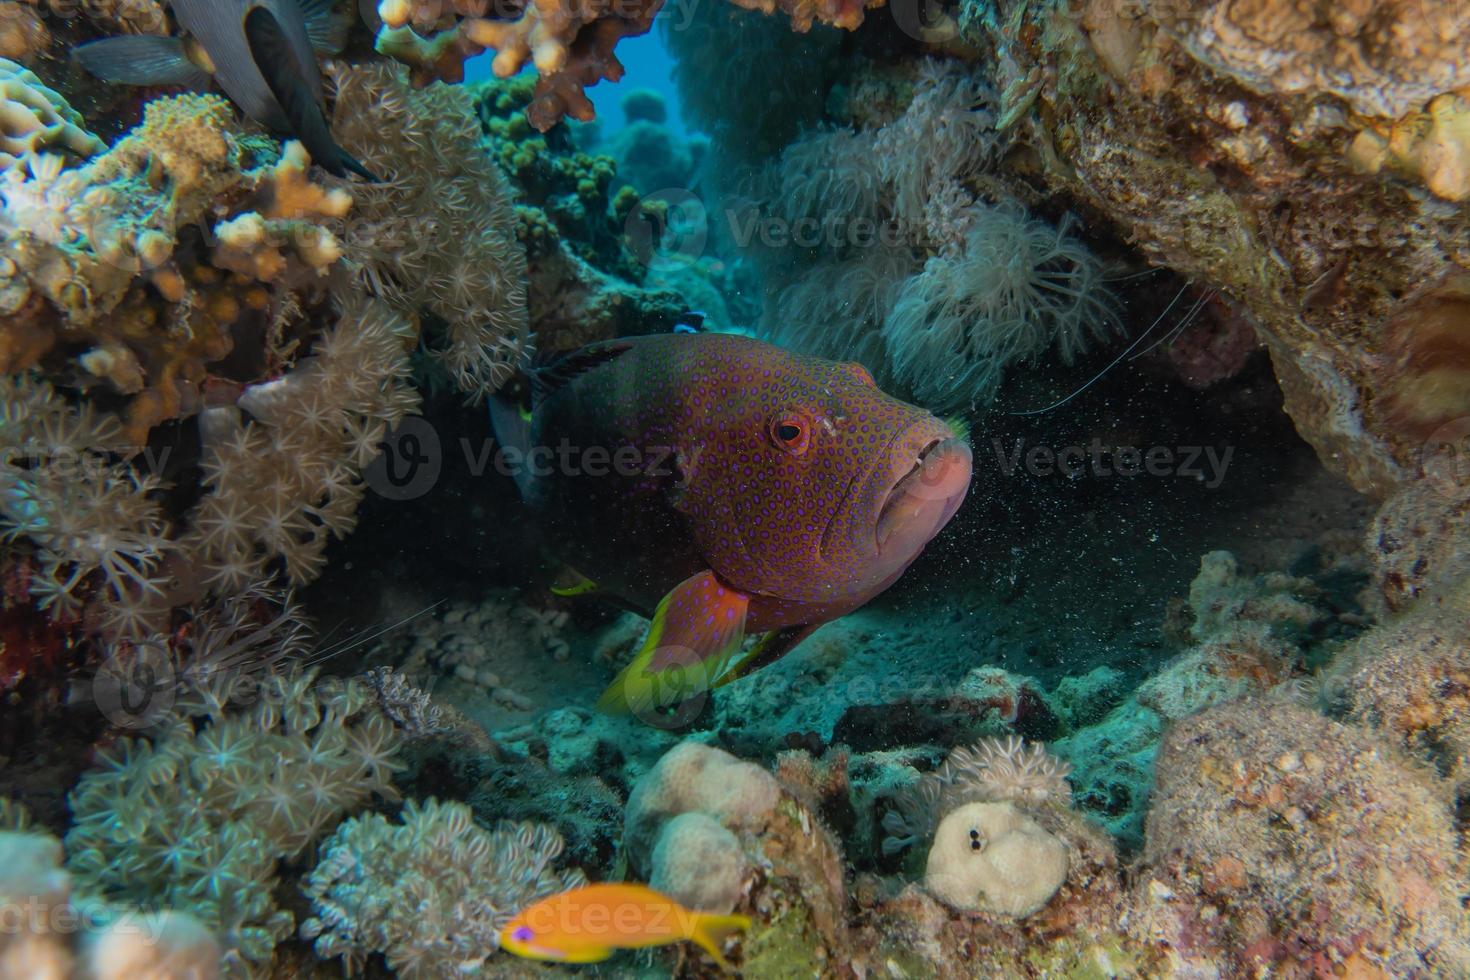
923, 499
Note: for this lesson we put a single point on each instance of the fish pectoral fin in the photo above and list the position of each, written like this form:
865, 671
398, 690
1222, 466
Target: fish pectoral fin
273, 55
142, 60
697, 629
767, 650
711, 931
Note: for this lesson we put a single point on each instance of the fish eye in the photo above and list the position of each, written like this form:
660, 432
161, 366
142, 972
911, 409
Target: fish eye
523, 934
790, 432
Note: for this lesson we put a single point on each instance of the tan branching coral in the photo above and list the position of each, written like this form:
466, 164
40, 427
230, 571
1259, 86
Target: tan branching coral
36, 119
109, 255
437, 236
208, 809
431, 893
570, 42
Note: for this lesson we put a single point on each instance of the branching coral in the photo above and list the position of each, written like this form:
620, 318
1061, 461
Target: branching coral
584, 280
992, 771
1016, 288
35, 119
110, 256
570, 42
199, 816
437, 237
430, 893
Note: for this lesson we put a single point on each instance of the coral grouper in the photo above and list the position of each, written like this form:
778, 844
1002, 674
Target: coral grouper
729, 488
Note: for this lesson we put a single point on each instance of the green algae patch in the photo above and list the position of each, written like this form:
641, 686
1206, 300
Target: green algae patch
784, 948
1082, 957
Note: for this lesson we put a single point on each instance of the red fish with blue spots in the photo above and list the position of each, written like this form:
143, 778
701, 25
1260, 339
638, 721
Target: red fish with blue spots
727, 488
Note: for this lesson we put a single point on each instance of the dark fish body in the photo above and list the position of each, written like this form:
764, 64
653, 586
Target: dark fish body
731, 487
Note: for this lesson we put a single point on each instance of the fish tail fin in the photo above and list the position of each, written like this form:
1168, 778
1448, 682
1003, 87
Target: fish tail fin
513, 431
711, 931
271, 50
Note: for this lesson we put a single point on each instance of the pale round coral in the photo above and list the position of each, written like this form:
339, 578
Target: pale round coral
162, 944
991, 857
699, 863
692, 777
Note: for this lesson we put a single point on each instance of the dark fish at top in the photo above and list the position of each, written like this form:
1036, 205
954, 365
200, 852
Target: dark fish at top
262, 53
727, 487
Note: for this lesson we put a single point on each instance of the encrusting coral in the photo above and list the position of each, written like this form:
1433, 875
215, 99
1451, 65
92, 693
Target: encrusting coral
200, 815
1304, 159
432, 892
35, 119
1281, 841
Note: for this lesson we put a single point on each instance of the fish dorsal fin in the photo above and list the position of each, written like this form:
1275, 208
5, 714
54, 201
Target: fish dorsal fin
559, 373
326, 29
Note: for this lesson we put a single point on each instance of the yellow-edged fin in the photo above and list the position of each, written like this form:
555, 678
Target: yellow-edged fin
573, 583
711, 931
696, 631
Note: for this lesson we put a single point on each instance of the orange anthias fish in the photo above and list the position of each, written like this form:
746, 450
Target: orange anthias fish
727, 488
585, 925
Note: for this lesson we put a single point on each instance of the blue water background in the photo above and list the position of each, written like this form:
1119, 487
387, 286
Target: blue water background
648, 65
